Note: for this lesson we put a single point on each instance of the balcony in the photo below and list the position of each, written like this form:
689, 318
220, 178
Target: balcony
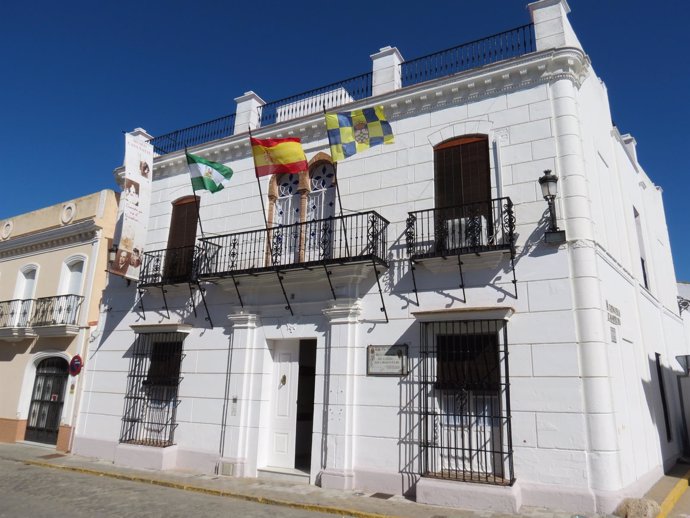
344, 240
485, 230
47, 316
169, 266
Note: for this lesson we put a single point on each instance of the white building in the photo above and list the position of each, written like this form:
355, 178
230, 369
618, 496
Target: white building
523, 372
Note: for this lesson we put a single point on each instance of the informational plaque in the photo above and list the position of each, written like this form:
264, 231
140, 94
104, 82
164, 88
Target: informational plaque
387, 360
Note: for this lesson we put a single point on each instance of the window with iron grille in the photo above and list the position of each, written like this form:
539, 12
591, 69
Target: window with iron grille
151, 398
465, 402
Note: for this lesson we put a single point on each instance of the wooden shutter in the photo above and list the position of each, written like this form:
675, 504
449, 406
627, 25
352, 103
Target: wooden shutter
461, 171
179, 256
183, 223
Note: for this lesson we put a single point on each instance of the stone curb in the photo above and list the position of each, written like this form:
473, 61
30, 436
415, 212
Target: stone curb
340, 511
674, 495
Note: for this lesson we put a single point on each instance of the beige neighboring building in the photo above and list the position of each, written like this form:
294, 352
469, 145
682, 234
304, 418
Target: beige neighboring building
52, 273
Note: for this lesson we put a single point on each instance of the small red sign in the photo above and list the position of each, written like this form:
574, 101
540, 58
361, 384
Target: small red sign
75, 365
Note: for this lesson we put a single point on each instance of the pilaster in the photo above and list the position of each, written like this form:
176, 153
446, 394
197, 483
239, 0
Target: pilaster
241, 392
342, 341
603, 453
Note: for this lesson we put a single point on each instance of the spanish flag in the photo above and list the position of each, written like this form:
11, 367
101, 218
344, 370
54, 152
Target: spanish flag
278, 155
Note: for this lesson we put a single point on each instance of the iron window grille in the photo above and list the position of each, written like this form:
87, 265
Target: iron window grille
465, 431
149, 416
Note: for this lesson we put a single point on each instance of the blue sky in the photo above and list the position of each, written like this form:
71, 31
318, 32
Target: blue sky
76, 74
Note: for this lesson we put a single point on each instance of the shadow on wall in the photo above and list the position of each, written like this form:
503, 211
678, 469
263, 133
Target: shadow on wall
408, 415
663, 402
399, 282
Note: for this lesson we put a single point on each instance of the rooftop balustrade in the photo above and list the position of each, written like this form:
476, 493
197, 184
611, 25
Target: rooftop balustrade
485, 51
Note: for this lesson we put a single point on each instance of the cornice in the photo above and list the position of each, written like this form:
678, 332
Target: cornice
461, 88
50, 239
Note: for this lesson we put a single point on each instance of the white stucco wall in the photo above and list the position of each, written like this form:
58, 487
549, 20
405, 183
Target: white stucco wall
586, 420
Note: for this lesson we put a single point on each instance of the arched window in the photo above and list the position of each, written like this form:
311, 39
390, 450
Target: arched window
74, 273
287, 207
18, 311
321, 202
26, 283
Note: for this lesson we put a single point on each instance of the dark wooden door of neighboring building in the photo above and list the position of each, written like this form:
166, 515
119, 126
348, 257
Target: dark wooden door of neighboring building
47, 399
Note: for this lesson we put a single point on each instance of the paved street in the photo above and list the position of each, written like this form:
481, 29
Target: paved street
37, 492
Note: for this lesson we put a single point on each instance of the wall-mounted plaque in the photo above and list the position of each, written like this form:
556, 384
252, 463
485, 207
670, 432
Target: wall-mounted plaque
387, 360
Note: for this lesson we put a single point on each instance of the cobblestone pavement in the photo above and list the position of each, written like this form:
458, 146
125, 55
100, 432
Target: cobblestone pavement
33, 491
37, 482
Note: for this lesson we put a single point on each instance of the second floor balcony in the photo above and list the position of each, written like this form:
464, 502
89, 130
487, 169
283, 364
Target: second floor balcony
45, 316
353, 239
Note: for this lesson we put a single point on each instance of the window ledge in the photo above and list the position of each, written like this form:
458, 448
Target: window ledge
489, 313
163, 327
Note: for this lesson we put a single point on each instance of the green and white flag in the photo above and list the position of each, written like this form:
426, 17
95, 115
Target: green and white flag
206, 174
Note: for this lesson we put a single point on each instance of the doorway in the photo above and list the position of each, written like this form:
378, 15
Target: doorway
292, 408
47, 398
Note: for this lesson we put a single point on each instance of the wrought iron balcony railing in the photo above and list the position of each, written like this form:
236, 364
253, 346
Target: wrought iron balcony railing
15, 313
504, 45
462, 229
169, 266
55, 311
205, 132
46, 311
509, 44
354, 238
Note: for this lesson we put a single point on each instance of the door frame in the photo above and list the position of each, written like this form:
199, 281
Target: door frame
28, 385
62, 396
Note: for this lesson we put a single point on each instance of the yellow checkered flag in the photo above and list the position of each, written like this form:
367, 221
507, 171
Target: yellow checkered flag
355, 131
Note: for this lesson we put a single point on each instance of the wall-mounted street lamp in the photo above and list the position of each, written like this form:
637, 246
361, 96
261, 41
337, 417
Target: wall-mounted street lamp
549, 189
112, 254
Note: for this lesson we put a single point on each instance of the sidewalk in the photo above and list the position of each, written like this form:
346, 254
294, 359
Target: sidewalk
305, 497
671, 492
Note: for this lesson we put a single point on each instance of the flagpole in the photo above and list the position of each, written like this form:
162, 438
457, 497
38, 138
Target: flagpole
258, 182
268, 236
337, 185
196, 198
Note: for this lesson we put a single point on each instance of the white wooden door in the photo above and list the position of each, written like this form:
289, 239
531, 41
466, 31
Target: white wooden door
284, 404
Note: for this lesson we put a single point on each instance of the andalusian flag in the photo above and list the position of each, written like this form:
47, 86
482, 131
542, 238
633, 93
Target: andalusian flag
355, 131
278, 155
206, 174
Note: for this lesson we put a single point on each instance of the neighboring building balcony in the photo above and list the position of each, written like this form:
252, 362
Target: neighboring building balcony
169, 266
47, 316
341, 241
483, 231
